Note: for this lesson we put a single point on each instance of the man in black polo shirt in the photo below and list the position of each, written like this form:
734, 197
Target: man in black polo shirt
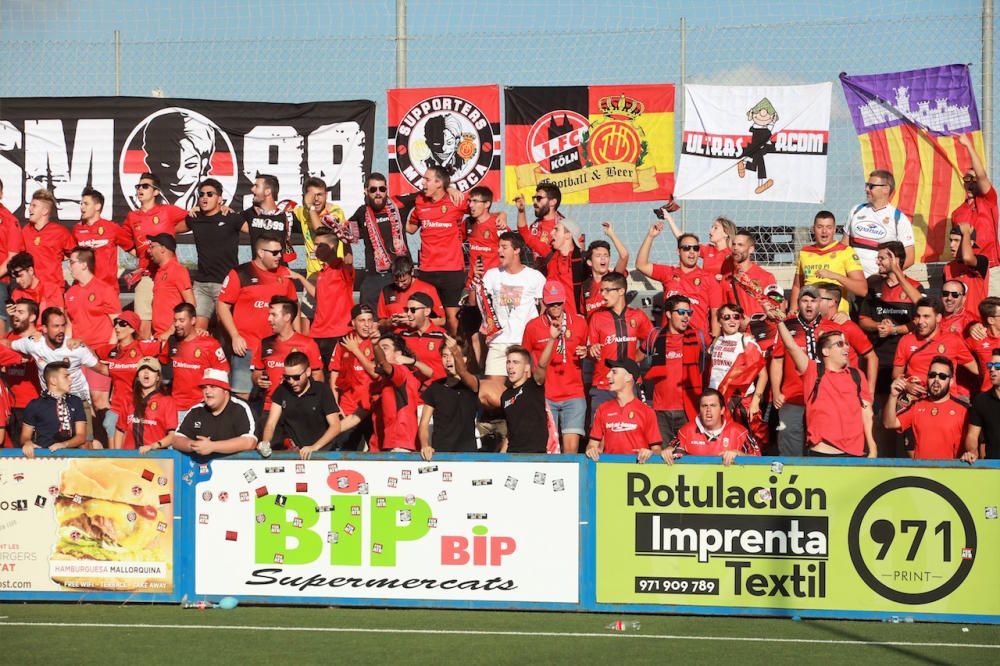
56, 419
453, 403
217, 242
221, 424
302, 410
984, 418
523, 402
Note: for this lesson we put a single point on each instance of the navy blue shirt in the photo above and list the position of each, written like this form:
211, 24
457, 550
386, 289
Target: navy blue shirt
41, 415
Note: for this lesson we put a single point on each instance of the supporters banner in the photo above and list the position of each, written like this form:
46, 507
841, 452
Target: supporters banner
830, 538
86, 525
755, 143
381, 530
68, 143
599, 144
907, 123
457, 128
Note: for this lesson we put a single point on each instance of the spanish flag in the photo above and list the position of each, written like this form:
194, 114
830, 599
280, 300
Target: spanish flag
599, 144
908, 123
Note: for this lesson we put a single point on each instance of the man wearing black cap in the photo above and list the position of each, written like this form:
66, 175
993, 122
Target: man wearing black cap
968, 266
624, 425
171, 283
423, 337
350, 382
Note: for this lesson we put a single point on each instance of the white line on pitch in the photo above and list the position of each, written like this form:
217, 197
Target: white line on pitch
474, 632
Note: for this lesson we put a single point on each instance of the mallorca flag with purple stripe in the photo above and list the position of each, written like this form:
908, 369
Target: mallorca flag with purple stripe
907, 123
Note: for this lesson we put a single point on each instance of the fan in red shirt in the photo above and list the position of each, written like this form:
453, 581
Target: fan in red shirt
916, 349
743, 281
422, 337
861, 353
564, 379
102, 236
677, 356
150, 219
787, 391
333, 293
979, 210
27, 285
538, 236
22, 378
711, 434
11, 240
625, 425
968, 267
484, 234
151, 423
565, 264
191, 353
393, 297
983, 338
48, 242
598, 258
714, 253
171, 284
269, 358
613, 333
244, 304
442, 230
686, 279
349, 380
937, 420
398, 392
956, 318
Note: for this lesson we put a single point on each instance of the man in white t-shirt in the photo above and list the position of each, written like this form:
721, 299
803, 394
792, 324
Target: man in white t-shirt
516, 292
878, 221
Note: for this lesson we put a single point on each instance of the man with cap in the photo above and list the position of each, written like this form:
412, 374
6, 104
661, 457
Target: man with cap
711, 434
171, 284
191, 353
303, 410
687, 279
393, 297
350, 382
566, 264
968, 266
423, 337
56, 419
624, 425
564, 382
221, 424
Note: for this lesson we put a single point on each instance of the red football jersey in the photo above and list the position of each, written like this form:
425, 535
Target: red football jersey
484, 242
160, 418
141, 224
564, 378
392, 301
123, 364
619, 337
170, 282
698, 285
334, 300
353, 383
696, 442
46, 294
938, 427
104, 237
190, 359
249, 289
426, 348
442, 230
396, 425
712, 259
22, 378
270, 358
48, 246
625, 428
89, 308
914, 355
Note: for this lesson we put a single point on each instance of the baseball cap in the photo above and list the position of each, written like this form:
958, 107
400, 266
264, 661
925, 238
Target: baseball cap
166, 240
573, 228
809, 290
628, 365
150, 362
957, 231
554, 292
130, 318
425, 300
360, 309
215, 377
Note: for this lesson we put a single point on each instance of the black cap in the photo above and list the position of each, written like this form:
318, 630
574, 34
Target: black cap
166, 240
424, 299
628, 365
360, 309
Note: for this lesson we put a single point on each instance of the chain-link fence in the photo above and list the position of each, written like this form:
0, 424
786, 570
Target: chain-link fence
303, 50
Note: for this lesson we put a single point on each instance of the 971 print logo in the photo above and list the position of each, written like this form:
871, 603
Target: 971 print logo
900, 553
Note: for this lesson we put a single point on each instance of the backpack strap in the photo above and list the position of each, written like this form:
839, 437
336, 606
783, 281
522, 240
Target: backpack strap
855, 375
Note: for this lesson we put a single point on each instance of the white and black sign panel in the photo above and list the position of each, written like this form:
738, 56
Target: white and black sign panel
66, 144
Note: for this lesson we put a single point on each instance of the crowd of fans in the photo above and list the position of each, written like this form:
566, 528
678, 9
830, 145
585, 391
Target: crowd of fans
512, 338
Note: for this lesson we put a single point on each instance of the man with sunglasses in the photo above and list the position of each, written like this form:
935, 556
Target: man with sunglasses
102, 236
28, 285
878, 221
983, 338
565, 264
979, 211
191, 353
422, 336
677, 356
244, 305
150, 219
787, 390
393, 297
564, 382
303, 410
381, 226
217, 242
737, 368
687, 279
916, 350
982, 438
956, 317
937, 420
538, 236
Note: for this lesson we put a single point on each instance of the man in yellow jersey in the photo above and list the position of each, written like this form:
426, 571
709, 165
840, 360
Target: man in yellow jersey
829, 260
314, 213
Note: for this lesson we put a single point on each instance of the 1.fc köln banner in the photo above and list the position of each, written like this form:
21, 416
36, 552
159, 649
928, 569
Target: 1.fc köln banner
454, 128
599, 144
66, 144
758, 143
907, 123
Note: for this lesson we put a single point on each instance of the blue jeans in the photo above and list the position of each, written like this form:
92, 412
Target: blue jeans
239, 373
569, 415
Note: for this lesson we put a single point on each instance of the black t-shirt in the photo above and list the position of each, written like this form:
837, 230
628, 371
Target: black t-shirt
527, 423
985, 413
42, 414
455, 407
885, 302
217, 241
235, 420
405, 205
276, 224
303, 417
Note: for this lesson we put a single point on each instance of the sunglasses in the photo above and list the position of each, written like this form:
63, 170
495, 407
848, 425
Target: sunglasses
968, 179
16, 274
730, 317
872, 186
293, 378
273, 253
145, 186
121, 323
684, 312
992, 365
688, 248
953, 294
938, 375
378, 188
411, 310
207, 194
538, 197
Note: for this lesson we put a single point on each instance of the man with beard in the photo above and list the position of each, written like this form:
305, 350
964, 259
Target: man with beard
21, 378
380, 224
393, 297
538, 235
968, 265
928, 340
937, 420
266, 217
786, 383
744, 282
317, 213
979, 211
956, 318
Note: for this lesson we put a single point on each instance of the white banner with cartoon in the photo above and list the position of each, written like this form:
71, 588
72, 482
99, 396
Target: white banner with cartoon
756, 143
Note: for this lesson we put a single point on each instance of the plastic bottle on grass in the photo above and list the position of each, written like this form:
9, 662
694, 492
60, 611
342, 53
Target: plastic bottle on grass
622, 625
